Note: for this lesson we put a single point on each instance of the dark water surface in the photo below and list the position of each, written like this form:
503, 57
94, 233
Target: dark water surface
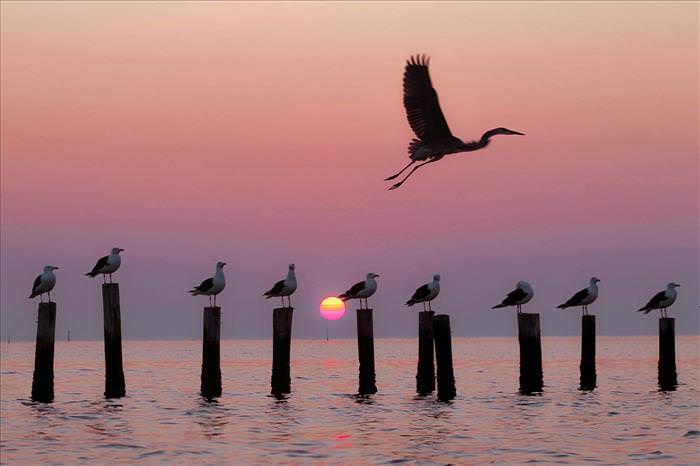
163, 420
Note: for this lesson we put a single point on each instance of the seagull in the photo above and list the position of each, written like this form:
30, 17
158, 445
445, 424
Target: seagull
284, 287
426, 293
583, 297
44, 283
662, 300
434, 139
107, 265
522, 294
362, 290
211, 286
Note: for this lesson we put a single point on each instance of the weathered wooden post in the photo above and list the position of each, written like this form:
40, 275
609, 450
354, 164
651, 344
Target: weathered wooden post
281, 346
211, 353
42, 381
668, 379
365, 351
115, 386
446, 389
531, 379
588, 374
425, 376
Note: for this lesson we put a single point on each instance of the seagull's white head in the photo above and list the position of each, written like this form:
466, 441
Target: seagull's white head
594, 280
50, 268
372, 275
291, 266
672, 285
436, 277
116, 250
523, 285
220, 265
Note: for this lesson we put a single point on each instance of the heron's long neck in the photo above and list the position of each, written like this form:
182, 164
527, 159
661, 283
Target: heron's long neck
481, 143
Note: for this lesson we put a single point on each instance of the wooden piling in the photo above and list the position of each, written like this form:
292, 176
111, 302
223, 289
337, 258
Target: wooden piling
42, 381
587, 367
281, 346
531, 378
365, 351
115, 386
211, 353
668, 378
446, 389
425, 376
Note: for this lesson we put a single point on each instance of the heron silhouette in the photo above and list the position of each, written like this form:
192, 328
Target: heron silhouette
434, 139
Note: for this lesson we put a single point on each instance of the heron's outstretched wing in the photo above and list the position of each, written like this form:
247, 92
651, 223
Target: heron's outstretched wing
421, 102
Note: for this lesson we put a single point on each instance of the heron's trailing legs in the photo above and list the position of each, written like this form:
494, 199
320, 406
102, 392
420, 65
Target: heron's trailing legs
402, 170
397, 185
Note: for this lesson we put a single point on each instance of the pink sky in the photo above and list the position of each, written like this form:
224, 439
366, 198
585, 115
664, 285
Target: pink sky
260, 134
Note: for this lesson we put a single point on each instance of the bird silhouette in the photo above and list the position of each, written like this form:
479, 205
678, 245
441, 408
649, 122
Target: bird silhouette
434, 138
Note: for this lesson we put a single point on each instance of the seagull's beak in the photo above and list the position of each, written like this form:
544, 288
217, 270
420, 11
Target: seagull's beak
121, 250
55, 268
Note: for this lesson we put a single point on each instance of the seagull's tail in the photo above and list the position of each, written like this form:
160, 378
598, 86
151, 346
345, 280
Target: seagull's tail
410, 303
562, 306
267, 295
644, 309
194, 292
343, 297
497, 306
91, 274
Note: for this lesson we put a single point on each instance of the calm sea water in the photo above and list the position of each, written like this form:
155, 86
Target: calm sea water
163, 420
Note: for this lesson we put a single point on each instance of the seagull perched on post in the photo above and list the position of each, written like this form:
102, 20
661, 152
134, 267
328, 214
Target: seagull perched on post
522, 294
44, 283
211, 286
284, 287
662, 300
362, 290
583, 297
434, 139
107, 265
426, 293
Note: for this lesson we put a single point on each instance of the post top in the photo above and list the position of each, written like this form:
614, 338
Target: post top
286, 308
212, 308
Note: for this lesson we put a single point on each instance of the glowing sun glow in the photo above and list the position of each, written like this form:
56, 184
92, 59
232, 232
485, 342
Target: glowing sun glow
332, 308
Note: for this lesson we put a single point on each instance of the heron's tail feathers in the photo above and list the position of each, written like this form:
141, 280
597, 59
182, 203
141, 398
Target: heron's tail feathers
414, 145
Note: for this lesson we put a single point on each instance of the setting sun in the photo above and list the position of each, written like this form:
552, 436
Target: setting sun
332, 308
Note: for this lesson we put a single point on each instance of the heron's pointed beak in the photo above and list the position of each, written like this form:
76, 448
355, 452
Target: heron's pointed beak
517, 133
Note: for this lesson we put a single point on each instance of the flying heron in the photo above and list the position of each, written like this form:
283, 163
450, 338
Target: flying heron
434, 139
